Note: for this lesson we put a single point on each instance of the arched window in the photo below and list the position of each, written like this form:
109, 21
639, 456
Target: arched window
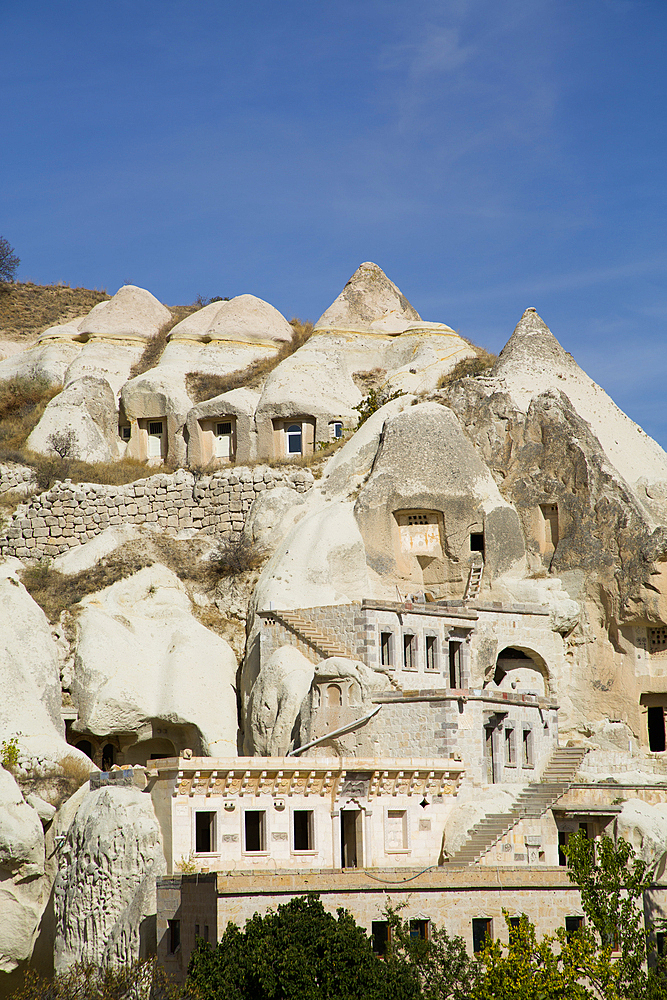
335, 430
294, 437
334, 696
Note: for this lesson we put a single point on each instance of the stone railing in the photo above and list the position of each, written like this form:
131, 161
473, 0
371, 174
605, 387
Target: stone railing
70, 514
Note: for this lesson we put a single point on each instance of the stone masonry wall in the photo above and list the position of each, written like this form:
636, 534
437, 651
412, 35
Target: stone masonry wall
15, 477
70, 514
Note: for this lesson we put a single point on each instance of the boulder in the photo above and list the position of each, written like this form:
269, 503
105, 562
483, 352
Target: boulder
244, 318
142, 658
644, 826
104, 892
132, 313
271, 516
85, 411
275, 701
108, 359
23, 889
47, 361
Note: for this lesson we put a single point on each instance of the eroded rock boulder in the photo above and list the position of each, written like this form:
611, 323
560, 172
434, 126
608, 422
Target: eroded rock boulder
141, 656
82, 417
104, 893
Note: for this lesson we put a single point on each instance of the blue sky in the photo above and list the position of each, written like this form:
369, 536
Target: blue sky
488, 155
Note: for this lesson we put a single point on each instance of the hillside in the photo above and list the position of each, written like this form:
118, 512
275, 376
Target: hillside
26, 309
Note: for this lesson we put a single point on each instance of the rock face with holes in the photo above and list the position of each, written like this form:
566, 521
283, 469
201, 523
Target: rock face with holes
104, 893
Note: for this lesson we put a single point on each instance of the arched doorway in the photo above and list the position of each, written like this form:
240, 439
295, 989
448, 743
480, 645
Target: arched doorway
522, 670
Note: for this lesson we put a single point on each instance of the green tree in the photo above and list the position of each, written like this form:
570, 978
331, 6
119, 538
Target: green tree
612, 881
9, 262
528, 969
299, 952
441, 964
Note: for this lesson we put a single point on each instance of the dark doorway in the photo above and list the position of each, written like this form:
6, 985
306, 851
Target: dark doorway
255, 836
85, 746
108, 756
477, 542
455, 678
490, 756
204, 832
656, 728
350, 838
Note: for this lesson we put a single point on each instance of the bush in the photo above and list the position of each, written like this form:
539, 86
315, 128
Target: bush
9, 756
135, 981
54, 591
373, 401
469, 367
232, 558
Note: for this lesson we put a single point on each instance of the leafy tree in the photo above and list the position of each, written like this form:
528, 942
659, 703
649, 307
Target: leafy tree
300, 952
9, 262
528, 969
612, 882
441, 964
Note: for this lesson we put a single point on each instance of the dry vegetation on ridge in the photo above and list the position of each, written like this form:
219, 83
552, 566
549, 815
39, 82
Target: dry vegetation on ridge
26, 310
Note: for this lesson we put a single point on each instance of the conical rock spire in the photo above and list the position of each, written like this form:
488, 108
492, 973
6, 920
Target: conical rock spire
370, 302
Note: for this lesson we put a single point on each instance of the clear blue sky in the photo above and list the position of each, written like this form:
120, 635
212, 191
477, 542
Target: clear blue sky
488, 154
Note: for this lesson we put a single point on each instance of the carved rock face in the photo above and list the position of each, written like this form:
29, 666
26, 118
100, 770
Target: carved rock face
104, 893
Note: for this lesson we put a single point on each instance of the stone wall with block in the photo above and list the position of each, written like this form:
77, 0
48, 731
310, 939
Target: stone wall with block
16, 477
70, 514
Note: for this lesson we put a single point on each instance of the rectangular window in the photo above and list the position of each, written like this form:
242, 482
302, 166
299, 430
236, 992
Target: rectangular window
126, 432
302, 820
573, 925
386, 649
255, 833
380, 936
657, 640
455, 678
656, 728
562, 843
155, 427
204, 832
224, 428
661, 943
196, 931
431, 652
409, 651
419, 930
205, 932
396, 830
481, 930
527, 748
477, 542
510, 752
174, 932
515, 926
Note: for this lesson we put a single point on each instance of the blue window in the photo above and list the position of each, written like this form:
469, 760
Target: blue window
294, 439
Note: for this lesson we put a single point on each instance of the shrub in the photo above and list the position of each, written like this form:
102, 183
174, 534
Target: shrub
136, 981
62, 442
75, 770
9, 756
232, 558
372, 402
469, 367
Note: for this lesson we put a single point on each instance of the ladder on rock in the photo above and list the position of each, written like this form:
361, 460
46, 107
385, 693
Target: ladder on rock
530, 804
474, 584
321, 641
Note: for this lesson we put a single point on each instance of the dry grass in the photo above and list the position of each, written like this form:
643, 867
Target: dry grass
201, 385
469, 367
74, 770
233, 558
51, 469
22, 403
54, 591
152, 352
27, 309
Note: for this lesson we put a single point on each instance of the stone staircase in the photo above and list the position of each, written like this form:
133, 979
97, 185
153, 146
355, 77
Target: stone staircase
474, 584
322, 642
531, 803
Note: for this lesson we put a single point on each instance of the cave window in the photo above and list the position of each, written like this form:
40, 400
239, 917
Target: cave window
527, 748
656, 728
174, 930
419, 532
108, 756
510, 750
477, 542
335, 430
126, 432
657, 640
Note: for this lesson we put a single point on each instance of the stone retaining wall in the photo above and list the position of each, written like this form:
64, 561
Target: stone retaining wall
70, 514
16, 477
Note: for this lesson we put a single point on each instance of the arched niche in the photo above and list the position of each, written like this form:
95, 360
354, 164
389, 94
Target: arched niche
521, 669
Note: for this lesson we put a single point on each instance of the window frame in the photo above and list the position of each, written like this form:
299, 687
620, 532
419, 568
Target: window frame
300, 852
488, 932
390, 647
527, 747
432, 641
264, 833
407, 840
290, 433
510, 746
410, 643
213, 831
174, 934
